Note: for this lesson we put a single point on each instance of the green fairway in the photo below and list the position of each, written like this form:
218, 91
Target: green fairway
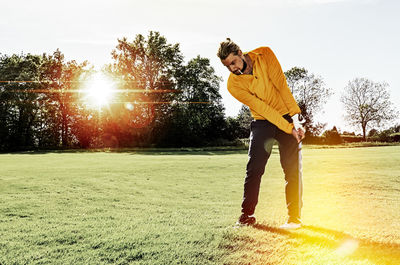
179, 208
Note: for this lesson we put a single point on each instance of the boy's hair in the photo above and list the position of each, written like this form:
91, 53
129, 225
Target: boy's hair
227, 47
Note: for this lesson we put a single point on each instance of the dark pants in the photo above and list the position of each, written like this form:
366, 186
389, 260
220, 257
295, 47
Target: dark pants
262, 138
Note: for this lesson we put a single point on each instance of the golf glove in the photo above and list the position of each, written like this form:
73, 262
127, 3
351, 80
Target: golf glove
298, 122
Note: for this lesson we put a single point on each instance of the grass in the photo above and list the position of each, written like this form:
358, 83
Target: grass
179, 207
356, 144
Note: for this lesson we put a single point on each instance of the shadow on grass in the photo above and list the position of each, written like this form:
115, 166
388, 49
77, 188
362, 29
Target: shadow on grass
376, 252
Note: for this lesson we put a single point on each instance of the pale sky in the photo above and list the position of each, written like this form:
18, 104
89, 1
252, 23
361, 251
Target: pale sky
338, 40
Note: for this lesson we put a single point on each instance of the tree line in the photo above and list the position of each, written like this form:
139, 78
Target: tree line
160, 100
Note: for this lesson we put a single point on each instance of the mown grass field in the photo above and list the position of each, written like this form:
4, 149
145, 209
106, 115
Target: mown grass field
179, 208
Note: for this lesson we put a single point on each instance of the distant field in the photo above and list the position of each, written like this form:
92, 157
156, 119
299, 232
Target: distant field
179, 208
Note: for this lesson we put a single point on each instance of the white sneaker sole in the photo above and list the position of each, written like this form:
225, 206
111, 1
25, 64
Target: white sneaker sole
290, 226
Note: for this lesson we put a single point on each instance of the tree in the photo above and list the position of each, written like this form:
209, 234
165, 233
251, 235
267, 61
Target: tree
148, 68
198, 114
310, 93
85, 128
232, 129
37, 104
391, 134
239, 127
367, 103
59, 78
172, 103
332, 136
21, 100
372, 133
244, 119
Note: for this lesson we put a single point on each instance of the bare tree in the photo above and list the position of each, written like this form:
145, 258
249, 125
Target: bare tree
367, 103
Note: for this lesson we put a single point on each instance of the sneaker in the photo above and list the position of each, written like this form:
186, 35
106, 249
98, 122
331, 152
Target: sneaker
290, 225
245, 219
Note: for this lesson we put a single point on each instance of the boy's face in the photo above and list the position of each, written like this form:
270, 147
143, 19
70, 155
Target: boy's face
234, 63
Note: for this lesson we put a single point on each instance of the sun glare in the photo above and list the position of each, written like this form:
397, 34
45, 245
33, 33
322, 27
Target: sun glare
99, 90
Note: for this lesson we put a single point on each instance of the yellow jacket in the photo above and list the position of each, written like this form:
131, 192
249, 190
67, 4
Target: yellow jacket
265, 92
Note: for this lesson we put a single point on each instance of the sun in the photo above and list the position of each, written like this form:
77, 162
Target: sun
99, 90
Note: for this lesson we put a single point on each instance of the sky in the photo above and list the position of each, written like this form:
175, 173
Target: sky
338, 40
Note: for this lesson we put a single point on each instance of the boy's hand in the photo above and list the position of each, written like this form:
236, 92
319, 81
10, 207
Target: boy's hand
300, 133
296, 135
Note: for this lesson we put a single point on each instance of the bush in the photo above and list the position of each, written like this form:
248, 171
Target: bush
352, 138
332, 136
310, 139
395, 137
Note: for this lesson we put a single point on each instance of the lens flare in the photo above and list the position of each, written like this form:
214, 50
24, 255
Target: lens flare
129, 106
268, 145
99, 90
347, 248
